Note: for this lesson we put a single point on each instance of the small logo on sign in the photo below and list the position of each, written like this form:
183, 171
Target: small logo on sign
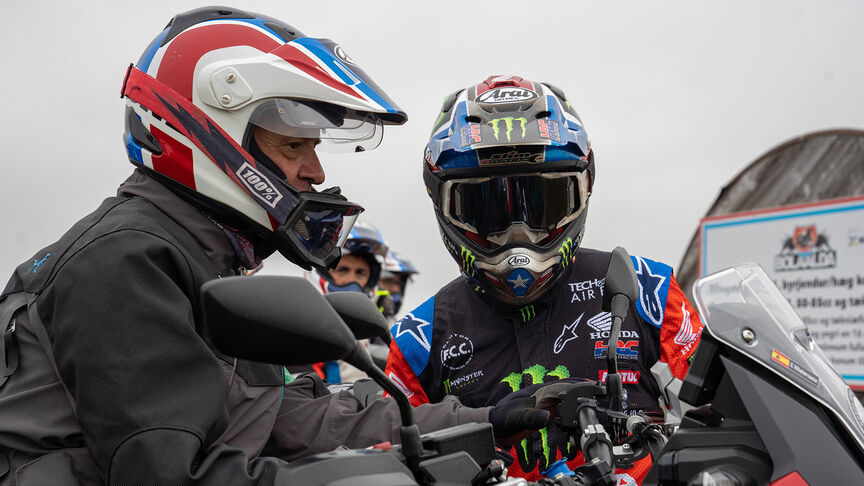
519, 260
506, 95
258, 184
806, 249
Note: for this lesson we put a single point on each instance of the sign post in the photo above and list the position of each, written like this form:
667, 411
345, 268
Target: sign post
815, 254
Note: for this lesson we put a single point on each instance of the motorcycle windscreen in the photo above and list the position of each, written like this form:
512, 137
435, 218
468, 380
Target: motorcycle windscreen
744, 298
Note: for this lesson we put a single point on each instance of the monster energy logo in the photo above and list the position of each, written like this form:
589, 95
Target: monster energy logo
566, 251
527, 313
508, 124
527, 456
467, 260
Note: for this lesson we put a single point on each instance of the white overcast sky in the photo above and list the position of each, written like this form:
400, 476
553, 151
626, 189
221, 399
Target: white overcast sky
677, 97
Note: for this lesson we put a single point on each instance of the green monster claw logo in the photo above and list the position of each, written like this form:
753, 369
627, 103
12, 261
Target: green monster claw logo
566, 251
526, 455
508, 123
467, 261
528, 313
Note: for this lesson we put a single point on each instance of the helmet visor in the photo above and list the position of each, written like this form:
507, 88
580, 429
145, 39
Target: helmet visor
339, 129
542, 202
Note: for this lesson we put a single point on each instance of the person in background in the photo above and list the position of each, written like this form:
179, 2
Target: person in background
510, 170
395, 276
358, 270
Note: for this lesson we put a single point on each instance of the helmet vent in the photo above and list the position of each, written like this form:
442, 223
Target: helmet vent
473, 119
543, 114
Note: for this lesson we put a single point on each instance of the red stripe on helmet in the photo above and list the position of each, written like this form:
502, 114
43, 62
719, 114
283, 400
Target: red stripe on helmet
308, 65
175, 161
177, 67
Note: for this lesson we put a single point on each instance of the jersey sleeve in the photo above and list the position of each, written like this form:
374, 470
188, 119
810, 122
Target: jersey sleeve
410, 350
662, 304
680, 331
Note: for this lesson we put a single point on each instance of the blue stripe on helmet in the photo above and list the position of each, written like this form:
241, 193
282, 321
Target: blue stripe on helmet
147, 57
133, 149
324, 54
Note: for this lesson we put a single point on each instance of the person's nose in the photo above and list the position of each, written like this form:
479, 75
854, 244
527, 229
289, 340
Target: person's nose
311, 169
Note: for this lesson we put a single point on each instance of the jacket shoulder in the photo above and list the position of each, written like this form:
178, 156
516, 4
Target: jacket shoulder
413, 335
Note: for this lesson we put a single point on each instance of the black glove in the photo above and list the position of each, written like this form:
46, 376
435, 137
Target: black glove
515, 414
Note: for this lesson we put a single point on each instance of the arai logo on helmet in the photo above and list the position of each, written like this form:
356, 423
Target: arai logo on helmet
341, 54
519, 260
506, 95
258, 184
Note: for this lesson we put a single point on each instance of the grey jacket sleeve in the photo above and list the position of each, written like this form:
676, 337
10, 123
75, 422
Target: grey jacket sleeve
311, 420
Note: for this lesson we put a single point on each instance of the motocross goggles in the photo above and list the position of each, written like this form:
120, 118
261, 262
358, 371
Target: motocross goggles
319, 225
340, 129
538, 203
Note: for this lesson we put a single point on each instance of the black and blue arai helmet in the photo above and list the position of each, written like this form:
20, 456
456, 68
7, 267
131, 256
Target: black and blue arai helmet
509, 169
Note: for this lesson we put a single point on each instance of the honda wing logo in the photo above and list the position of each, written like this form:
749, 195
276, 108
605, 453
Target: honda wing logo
602, 322
398, 382
686, 336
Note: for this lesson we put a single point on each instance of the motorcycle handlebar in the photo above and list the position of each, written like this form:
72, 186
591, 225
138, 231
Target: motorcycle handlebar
595, 440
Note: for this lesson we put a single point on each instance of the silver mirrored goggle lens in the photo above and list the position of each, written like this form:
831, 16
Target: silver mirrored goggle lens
541, 202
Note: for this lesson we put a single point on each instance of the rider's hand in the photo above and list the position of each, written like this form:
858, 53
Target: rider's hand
520, 413
515, 416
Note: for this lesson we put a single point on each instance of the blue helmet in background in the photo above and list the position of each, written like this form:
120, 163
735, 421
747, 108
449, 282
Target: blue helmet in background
509, 169
364, 241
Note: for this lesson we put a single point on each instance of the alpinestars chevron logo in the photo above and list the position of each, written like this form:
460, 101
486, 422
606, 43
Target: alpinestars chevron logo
567, 334
649, 291
686, 336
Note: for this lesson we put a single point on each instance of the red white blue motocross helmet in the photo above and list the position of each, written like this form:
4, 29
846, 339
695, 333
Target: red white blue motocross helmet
208, 79
509, 169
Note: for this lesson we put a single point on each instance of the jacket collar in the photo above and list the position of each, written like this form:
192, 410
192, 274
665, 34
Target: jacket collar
211, 238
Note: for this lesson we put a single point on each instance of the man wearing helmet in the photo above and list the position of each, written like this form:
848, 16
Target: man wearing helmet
357, 271
395, 275
360, 266
106, 378
510, 170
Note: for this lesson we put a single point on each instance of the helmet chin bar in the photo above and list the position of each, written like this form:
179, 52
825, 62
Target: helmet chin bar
511, 266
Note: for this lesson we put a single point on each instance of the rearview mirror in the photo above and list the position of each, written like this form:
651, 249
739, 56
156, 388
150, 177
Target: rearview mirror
273, 319
359, 313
